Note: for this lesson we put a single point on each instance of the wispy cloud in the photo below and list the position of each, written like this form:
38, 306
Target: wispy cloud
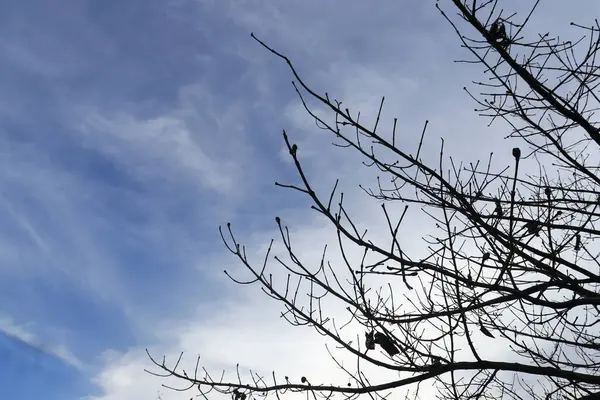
25, 335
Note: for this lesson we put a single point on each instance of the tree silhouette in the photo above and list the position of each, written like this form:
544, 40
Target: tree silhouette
512, 259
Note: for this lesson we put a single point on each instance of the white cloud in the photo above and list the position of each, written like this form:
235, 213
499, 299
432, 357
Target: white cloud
189, 142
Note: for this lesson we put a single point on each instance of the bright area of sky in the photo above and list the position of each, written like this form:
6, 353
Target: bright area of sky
131, 129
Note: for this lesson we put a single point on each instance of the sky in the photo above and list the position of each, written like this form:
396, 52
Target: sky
130, 130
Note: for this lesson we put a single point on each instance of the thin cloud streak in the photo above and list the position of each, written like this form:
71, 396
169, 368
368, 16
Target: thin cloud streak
25, 336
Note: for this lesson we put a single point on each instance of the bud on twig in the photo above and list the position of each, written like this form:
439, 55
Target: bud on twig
516, 152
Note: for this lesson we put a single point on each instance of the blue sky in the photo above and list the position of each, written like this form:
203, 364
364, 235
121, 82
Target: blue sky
131, 129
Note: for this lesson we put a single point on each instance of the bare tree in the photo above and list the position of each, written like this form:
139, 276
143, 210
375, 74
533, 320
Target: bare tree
511, 255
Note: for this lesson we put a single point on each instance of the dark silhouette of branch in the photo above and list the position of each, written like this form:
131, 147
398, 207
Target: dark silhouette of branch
510, 262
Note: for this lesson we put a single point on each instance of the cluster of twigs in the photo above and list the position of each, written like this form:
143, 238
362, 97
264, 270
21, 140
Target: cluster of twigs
513, 258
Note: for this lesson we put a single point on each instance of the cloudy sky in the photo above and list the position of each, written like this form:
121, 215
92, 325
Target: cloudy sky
130, 130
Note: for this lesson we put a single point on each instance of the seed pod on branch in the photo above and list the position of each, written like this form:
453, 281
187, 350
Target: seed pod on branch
386, 344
